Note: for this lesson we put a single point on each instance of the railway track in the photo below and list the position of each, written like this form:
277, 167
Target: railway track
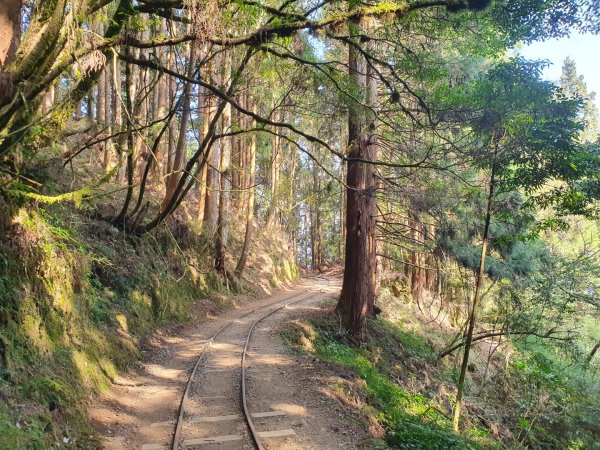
214, 410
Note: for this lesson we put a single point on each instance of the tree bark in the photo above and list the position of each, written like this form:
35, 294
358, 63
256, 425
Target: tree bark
236, 161
274, 175
212, 192
172, 133
162, 98
342, 234
180, 150
244, 154
208, 110
417, 273
358, 289
101, 101
225, 185
129, 97
117, 101
290, 205
108, 103
249, 188
211, 204
374, 184
10, 30
90, 107
316, 231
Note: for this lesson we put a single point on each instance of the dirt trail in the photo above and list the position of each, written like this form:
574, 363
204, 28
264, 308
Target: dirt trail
139, 411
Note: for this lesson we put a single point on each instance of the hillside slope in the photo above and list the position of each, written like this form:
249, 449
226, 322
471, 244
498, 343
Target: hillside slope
522, 392
78, 297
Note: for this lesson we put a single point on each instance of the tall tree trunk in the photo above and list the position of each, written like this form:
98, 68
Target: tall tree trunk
10, 33
180, 150
213, 177
129, 167
108, 145
476, 297
249, 188
225, 169
290, 205
172, 133
101, 101
374, 183
162, 98
133, 86
313, 237
244, 154
431, 276
117, 100
342, 236
10, 30
275, 174
358, 290
316, 232
136, 86
319, 234
90, 107
208, 110
236, 161
211, 206
417, 261
143, 150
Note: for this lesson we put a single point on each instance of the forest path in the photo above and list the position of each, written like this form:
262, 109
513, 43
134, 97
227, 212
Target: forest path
139, 411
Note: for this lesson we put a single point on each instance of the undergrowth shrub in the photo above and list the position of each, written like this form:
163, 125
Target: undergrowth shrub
412, 420
559, 407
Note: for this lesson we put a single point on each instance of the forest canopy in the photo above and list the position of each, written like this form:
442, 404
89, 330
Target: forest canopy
406, 141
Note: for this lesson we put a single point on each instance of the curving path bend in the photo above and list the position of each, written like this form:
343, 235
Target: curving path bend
288, 403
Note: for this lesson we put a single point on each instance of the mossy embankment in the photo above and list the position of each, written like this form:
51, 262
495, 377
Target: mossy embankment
77, 299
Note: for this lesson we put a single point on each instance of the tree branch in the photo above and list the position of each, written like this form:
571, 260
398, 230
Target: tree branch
551, 334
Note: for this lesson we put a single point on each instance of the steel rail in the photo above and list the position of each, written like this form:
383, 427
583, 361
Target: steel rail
208, 343
247, 415
253, 431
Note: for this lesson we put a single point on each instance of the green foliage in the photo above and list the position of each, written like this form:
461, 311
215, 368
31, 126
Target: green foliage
559, 407
413, 344
31, 435
413, 421
574, 86
48, 391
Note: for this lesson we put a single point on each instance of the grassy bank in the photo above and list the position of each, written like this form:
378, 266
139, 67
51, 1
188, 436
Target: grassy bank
409, 393
412, 420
